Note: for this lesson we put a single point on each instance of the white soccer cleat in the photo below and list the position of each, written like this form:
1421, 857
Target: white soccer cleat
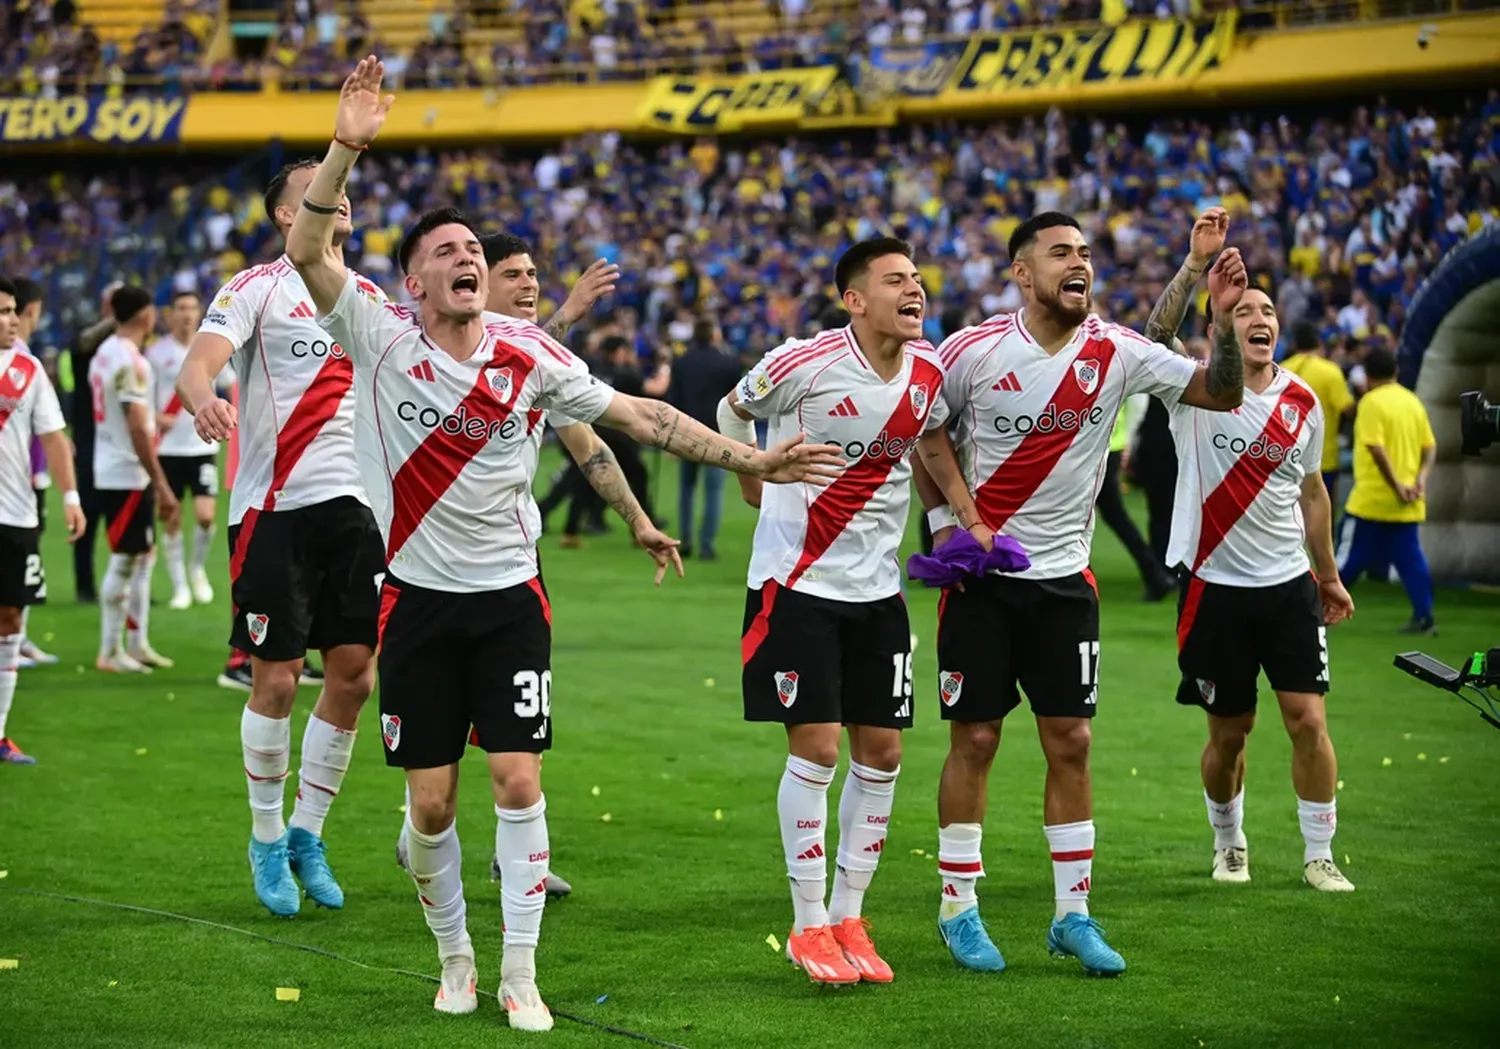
459, 991
1232, 864
37, 657
203, 591
1325, 876
524, 1007
118, 662
147, 656
181, 600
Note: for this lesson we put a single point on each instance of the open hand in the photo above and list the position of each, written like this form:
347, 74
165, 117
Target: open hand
362, 108
215, 420
795, 460
661, 547
1227, 282
1337, 604
597, 281
1208, 236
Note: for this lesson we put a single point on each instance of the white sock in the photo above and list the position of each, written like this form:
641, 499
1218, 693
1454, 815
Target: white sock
203, 537
267, 743
961, 866
1227, 820
864, 817
326, 750
138, 608
1319, 820
113, 595
436, 863
802, 803
521, 846
25, 623
1072, 846
10, 652
171, 549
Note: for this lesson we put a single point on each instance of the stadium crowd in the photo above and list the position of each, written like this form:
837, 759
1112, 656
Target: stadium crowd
1339, 220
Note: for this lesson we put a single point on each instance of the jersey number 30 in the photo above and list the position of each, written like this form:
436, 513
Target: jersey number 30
536, 693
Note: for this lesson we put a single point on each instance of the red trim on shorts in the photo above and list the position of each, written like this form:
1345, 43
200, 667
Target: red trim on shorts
388, 596
122, 520
1088, 577
1189, 611
541, 595
473, 736
760, 626
1072, 857
242, 543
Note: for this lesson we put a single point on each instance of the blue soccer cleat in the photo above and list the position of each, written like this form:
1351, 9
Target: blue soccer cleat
10, 754
1079, 936
312, 869
970, 942
270, 865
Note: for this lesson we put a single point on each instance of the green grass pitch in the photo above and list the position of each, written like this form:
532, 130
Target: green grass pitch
662, 813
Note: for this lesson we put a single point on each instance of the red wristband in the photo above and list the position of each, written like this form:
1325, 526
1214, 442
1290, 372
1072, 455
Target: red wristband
351, 145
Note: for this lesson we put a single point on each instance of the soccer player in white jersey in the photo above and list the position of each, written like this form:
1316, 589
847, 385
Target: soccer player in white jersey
826, 640
130, 483
1251, 505
29, 314
445, 401
305, 553
513, 291
28, 408
190, 463
1036, 394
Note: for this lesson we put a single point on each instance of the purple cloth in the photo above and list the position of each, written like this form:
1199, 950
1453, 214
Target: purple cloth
962, 556
38, 457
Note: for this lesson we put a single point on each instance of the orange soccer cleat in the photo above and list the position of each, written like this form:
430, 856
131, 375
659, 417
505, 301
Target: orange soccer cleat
853, 935
815, 951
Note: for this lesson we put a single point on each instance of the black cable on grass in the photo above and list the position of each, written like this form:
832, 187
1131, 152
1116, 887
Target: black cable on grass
581, 1020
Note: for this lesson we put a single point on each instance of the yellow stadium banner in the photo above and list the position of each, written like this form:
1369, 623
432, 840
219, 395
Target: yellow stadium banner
716, 104
1112, 57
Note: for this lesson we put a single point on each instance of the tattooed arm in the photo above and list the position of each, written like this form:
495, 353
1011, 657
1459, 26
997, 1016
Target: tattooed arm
601, 469
558, 327
1220, 387
660, 425
1166, 317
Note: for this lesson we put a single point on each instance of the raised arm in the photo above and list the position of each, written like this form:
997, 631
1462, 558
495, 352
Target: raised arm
1220, 387
596, 282
309, 243
602, 471
1206, 241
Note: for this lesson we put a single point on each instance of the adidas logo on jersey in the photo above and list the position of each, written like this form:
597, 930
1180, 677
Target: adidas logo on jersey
845, 409
302, 311
422, 370
1009, 383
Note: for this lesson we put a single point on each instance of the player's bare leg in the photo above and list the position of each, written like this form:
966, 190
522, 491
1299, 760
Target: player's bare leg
1315, 775
435, 864
266, 739
963, 790
1069, 815
802, 804
327, 744
1223, 767
10, 651
522, 848
204, 516
864, 819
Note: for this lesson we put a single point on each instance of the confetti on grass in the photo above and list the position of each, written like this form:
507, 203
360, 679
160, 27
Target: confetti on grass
594, 791
1422, 757
140, 752
718, 814
601, 999
1385, 762
113, 983
605, 818
10, 963
288, 994
1341, 785
1442, 761
4, 874
709, 682
918, 852
773, 942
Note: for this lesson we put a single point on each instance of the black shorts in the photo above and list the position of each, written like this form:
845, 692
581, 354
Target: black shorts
128, 517
1227, 634
193, 475
41, 509
22, 581
451, 662
810, 660
1000, 636
305, 579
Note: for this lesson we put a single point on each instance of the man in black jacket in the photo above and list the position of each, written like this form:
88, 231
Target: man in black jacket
82, 419
700, 378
